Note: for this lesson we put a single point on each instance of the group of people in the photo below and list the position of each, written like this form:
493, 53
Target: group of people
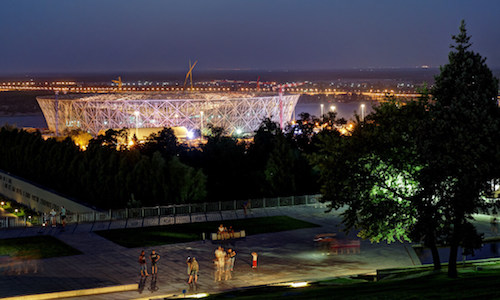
193, 269
53, 217
224, 263
223, 233
153, 258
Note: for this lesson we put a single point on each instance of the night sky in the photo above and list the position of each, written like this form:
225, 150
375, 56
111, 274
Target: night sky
144, 35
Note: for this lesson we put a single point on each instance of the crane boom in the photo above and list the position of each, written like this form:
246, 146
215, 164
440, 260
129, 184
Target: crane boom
189, 74
119, 82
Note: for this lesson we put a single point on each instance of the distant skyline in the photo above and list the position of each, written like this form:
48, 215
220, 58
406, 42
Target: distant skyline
162, 36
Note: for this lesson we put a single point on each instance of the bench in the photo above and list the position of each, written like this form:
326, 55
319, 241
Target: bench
221, 237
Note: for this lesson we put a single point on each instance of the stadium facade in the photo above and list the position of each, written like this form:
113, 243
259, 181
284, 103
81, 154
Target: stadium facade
236, 112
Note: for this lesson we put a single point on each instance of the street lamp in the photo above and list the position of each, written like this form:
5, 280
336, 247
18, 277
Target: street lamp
322, 106
201, 125
362, 112
332, 108
136, 113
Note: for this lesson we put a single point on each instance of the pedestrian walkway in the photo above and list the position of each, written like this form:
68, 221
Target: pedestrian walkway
283, 256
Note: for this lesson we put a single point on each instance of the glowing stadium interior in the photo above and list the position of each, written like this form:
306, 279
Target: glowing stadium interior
236, 112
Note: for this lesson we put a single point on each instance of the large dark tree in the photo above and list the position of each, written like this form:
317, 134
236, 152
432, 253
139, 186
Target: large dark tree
420, 172
462, 142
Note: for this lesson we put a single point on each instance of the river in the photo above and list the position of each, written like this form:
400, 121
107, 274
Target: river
344, 110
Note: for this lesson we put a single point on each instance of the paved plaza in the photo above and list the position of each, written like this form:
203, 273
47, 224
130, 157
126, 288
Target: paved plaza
283, 256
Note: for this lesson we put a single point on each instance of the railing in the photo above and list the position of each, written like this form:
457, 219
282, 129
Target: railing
188, 212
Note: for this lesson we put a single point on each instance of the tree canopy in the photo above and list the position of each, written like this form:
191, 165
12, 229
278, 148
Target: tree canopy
420, 171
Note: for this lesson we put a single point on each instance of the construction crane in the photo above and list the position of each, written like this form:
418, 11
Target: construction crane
119, 82
280, 88
190, 75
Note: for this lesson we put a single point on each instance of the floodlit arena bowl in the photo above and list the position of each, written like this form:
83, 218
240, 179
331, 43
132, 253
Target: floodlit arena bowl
236, 112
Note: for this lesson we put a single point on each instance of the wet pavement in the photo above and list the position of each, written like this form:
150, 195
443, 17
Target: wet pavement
283, 256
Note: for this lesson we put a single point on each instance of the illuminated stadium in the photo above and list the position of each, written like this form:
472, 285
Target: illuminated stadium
236, 112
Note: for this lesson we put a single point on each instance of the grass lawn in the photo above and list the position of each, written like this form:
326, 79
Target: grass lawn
470, 285
35, 247
181, 233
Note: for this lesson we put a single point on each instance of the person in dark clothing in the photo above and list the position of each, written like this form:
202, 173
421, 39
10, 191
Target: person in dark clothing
154, 257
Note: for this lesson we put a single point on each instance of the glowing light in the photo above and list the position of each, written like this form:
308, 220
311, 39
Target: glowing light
197, 296
239, 131
190, 134
298, 284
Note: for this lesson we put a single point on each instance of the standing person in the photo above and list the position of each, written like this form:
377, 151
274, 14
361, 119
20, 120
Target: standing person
232, 257
216, 269
63, 216
194, 268
45, 219
245, 207
142, 262
254, 260
53, 217
227, 267
220, 255
154, 257
188, 263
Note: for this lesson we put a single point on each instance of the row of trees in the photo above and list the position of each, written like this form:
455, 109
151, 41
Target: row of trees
419, 172
162, 171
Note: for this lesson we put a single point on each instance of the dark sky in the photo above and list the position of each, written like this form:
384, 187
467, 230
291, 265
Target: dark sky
162, 35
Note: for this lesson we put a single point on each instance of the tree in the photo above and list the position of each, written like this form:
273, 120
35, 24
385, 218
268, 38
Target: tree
419, 172
164, 141
279, 169
80, 137
461, 147
110, 138
374, 172
223, 162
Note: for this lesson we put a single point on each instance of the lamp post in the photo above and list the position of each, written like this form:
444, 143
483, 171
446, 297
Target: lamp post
322, 107
363, 112
201, 125
136, 113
